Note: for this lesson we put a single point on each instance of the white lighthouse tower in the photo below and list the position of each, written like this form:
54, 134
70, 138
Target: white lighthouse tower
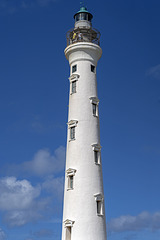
83, 210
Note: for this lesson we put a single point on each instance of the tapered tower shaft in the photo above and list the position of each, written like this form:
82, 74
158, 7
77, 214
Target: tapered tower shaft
83, 210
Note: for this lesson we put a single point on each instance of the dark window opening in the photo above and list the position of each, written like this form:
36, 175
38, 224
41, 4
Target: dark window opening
72, 133
94, 108
74, 87
74, 68
83, 16
70, 182
99, 207
96, 156
93, 68
68, 233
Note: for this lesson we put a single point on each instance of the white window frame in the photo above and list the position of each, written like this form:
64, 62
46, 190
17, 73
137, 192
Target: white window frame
68, 224
72, 124
94, 101
97, 148
70, 173
73, 78
99, 198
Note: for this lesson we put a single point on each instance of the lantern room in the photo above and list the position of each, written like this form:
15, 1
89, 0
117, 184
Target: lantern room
83, 31
83, 18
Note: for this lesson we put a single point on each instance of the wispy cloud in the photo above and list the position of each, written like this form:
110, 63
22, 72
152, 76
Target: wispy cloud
16, 194
43, 164
144, 220
154, 72
18, 201
37, 124
22, 202
47, 233
52, 185
2, 235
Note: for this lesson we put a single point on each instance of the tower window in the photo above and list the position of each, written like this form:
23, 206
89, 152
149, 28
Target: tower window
72, 133
68, 224
71, 127
74, 68
99, 204
73, 83
93, 68
70, 182
96, 157
74, 87
70, 175
95, 102
83, 16
94, 106
97, 153
68, 233
99, 207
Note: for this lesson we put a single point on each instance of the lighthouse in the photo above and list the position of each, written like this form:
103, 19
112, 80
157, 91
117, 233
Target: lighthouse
83, 208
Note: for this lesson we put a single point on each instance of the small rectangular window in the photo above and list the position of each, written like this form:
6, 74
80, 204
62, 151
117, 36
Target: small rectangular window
74, 68
97, 153
68, 233
74, 87
72, 133
70, 182
96, 157
93, 68
99, 207
94, 109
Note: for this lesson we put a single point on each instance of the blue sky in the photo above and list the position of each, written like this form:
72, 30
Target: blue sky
33, 114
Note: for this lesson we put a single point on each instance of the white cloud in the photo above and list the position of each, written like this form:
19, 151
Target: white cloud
43, 164
142, 221
19, 203
21, 217
2, 235
35, 212
154, 72
16, 194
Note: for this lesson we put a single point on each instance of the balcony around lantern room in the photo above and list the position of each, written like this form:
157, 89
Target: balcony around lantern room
83, 35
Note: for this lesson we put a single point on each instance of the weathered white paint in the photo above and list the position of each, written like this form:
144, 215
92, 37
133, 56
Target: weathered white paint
83, 23
80, 206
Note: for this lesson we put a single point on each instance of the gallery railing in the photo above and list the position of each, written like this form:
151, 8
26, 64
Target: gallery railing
83, 35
